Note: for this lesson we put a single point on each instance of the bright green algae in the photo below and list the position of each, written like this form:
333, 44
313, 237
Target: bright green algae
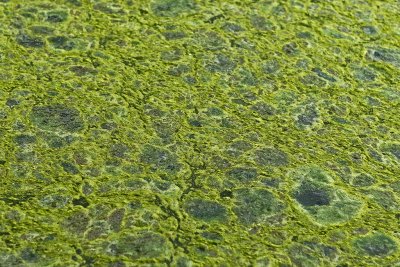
200, 133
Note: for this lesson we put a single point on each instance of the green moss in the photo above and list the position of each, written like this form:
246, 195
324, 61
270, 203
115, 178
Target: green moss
199, 133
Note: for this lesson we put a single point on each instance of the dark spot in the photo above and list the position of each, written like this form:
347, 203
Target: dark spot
12, 103
290, 49
384, 54
214, 18
57, 117
163, 186
190, 80
61, 42
310, 194
30, 41
29, 255
69, 168
226, 193
272, 182
82, 201
308, 117
244, 77
24, 139
56, 16
323, 75
195, 123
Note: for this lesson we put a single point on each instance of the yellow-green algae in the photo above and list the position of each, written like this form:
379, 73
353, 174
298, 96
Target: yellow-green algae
199, 133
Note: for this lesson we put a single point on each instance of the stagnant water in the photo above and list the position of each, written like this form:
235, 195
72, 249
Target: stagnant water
199, 133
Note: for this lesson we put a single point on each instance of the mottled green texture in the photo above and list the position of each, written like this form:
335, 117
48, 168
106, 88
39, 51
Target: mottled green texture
199, 133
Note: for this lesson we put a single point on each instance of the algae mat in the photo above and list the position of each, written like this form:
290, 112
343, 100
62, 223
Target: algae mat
199, 133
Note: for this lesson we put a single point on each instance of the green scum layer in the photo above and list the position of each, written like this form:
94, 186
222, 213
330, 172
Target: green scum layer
199, 133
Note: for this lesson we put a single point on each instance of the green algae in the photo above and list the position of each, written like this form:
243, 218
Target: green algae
199, 133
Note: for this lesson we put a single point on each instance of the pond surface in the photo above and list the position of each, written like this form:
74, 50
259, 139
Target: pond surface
199, 133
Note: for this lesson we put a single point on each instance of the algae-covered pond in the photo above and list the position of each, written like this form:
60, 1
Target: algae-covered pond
200, 133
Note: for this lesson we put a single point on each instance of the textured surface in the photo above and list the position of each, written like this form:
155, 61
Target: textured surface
199, 133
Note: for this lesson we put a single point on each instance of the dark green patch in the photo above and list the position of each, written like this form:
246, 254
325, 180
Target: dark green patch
144, 244
76, 223
271, 66
205, 210
263, 110
115, 219
271, 156
172, 8
311, 194
362, 180
375, 245
255, 205
44, 30
56, 16
61, 42
308, 117
30, 41
82, 70
24, 139
394, 149
242, 174
221, 63
57, 117
159, 159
